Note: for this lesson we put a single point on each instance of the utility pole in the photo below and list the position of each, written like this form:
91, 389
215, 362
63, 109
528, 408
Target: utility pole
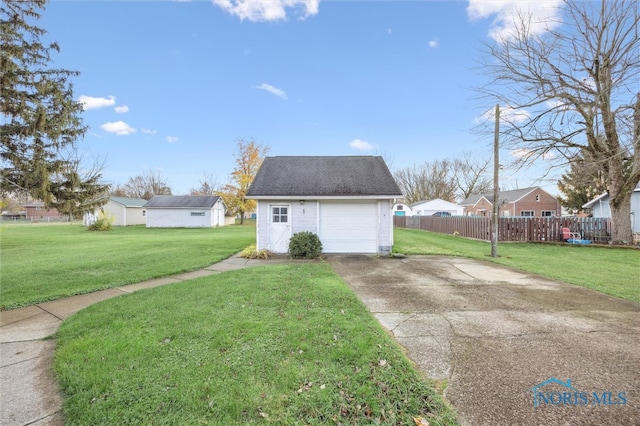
496, 183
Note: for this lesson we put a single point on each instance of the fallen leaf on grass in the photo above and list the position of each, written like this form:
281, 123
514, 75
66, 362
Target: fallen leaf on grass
305, 387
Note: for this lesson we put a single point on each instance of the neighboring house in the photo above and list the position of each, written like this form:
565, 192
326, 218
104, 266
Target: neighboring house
37, 211
428, 208
401, 208
185, 211
346, 201
599, 207
526, 202
17, 215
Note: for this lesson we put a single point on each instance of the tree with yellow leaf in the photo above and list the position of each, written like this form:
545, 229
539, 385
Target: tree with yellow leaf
248, 160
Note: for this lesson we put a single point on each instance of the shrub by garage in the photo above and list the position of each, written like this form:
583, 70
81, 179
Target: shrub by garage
305, 245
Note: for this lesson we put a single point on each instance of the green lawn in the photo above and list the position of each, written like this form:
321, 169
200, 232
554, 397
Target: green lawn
614, 271
41, 262
282, 345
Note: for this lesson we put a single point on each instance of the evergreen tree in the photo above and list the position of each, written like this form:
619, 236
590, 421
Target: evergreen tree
77, 190
40, 117
583, 182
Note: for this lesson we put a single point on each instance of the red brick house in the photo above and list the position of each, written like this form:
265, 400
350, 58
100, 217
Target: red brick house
37, 211
526, 202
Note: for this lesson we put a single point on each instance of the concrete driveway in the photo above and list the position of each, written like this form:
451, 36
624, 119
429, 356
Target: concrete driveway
516, 349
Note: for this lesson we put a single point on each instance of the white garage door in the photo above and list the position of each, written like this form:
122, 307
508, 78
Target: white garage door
349, 227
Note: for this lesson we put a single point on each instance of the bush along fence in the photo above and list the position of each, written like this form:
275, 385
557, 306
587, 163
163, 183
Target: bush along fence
521, 229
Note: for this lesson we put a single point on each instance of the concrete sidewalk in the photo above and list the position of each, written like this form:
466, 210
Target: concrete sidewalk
29, 392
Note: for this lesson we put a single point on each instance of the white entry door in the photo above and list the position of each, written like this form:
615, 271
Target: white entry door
280, 228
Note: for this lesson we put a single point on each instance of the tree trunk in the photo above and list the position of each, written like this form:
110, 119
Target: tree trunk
619, 203
621, 232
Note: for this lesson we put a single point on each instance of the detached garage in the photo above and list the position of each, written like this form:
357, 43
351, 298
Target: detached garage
346, 201
185, 211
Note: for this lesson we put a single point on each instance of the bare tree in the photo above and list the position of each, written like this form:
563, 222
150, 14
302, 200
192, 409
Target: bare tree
427, 181
118, 191
208, 186
471, 175
574, 88
445, 179
147, 185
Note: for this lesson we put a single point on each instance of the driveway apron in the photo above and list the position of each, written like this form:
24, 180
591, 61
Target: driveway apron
515, 348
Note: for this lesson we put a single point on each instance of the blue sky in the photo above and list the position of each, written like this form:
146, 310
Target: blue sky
171, 86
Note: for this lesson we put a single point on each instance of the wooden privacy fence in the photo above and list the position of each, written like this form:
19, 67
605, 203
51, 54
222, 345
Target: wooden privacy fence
523, 229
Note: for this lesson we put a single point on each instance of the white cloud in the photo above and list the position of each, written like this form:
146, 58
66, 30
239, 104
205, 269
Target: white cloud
271, 10
121, 109
507, 115
89, 102
119, 128
433, 44
361, 145
172, 139
148, 131
521, 153
544, 15
273, 90
528, 154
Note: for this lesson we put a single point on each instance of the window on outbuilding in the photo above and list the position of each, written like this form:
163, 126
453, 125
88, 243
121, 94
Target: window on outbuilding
280, 214
527, 213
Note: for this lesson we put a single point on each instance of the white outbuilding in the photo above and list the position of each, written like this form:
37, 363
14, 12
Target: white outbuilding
127, 211
346, 201
124, 211
185, 211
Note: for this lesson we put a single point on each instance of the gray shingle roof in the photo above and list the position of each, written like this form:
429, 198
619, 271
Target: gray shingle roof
471, 200
129, 202
181, 201
324, 176
508, 196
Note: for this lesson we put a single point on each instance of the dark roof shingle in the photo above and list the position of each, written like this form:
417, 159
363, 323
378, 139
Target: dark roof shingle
181, 201
324, 176
508, 196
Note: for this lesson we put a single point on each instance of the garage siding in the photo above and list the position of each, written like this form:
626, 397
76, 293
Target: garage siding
179, 218
385, 227
343, 226
303, 217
